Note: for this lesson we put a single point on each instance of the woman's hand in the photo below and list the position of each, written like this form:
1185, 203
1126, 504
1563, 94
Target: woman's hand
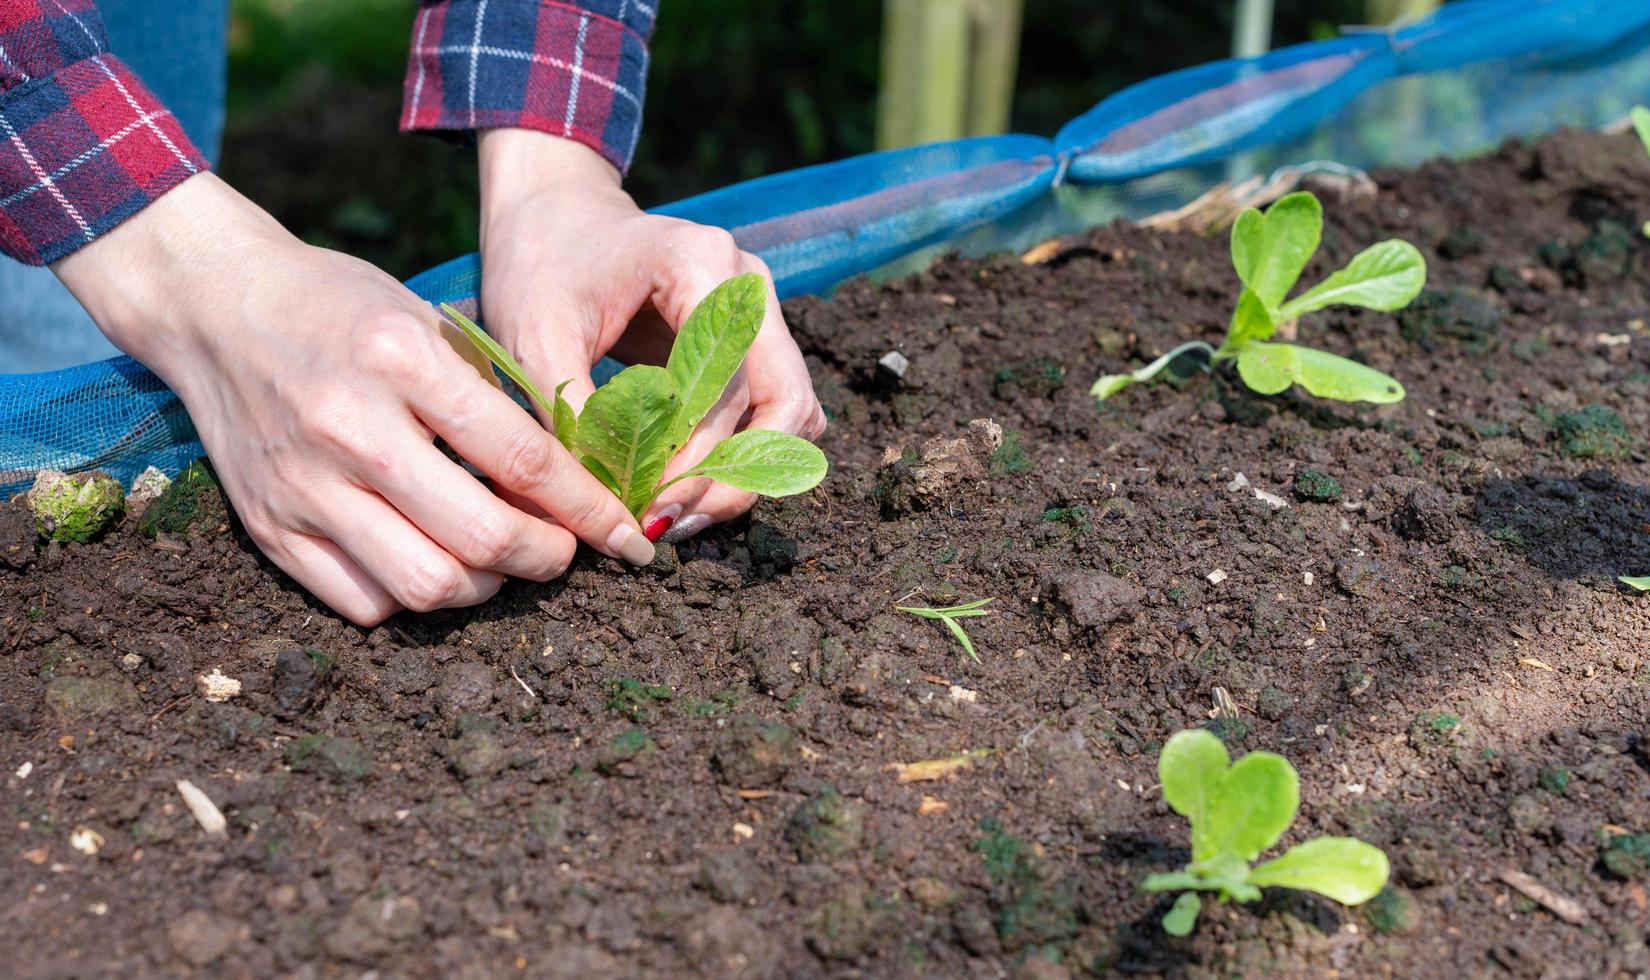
574, 271
318, 384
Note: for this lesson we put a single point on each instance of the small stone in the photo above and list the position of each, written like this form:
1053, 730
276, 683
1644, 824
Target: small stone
72, 698
478, 753
298, 680
217, 687
1093, 599
131, 662
1273, 704
74, 508
932, 893
148, 486
730, 876
1359, 577
1527, 814
1427, 514
86, 840
466, 687
332, 756
374, 926
752, 753
894, 364
200, 937
826, 826
1217, 576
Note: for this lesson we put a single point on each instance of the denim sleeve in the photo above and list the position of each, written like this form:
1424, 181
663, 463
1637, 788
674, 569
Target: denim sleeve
83, 144
574, 68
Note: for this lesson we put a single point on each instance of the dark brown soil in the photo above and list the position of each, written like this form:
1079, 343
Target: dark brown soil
698, 783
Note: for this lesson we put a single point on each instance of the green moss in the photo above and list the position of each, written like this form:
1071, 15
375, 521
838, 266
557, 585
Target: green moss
1039, 377
1627, 855
75, 508
1317, 486
330, 755
635, 700
1010, 457
1554, 779
1512, 537
194, 502
1391, 911
1593, 432
1031, 910
825, 826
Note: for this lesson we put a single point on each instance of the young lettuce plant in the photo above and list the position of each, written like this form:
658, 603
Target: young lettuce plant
632, 426
1237, 810
1270, 251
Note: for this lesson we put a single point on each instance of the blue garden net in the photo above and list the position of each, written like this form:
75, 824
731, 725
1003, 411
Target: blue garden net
1455, 84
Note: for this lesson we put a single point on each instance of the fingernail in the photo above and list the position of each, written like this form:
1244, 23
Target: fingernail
686, 528
662, 522
629, 544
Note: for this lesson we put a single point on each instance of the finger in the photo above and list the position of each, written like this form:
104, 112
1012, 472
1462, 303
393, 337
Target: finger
400, 558
486, 428
557, 349
332, 577
467, 520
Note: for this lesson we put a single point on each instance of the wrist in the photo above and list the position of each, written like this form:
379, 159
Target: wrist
518, 164
146, 281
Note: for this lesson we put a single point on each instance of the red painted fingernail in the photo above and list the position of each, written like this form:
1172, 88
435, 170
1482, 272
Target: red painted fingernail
658, 527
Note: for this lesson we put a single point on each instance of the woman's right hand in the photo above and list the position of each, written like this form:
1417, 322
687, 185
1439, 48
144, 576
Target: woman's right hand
318, 385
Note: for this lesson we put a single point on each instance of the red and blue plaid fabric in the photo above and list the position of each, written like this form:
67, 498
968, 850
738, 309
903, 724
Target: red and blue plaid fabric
574, 68
83, 144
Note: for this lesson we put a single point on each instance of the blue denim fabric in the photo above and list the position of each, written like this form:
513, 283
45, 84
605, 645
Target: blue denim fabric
178, 48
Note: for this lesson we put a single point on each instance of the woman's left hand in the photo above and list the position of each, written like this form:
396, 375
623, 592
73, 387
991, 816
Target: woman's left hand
574, 270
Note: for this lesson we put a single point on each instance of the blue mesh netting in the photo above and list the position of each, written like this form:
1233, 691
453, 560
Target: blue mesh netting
1457, 83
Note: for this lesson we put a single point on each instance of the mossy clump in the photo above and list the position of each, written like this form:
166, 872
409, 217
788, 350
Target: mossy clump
333, 756
636, 700
194, 502
1010, 457
1032, 910
74, 508
826, 826
1593, 432
1554, 779
1391, 911
1627, 855
1317, 486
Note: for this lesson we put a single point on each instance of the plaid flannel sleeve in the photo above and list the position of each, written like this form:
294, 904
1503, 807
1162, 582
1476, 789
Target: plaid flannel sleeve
83, 144
575, 68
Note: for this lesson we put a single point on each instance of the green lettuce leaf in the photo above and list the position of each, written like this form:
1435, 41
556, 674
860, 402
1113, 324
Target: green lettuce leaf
624, 434
1385, 276
711, 345
1191, 768
1343, 868
566, 421
773, 464
1253, 806
1183, 916
1270, 368
1270, 250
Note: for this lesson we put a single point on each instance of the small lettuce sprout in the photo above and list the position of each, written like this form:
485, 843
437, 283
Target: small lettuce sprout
1237, 810
1641, 124
634, 425
1640, 582
949, 616
1270, 251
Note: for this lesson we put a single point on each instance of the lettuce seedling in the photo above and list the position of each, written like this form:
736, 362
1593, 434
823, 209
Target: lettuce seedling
632, 426
1639, 582
1270, 251
1237, 810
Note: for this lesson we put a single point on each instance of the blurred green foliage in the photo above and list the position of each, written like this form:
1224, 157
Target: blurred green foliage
738, 89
